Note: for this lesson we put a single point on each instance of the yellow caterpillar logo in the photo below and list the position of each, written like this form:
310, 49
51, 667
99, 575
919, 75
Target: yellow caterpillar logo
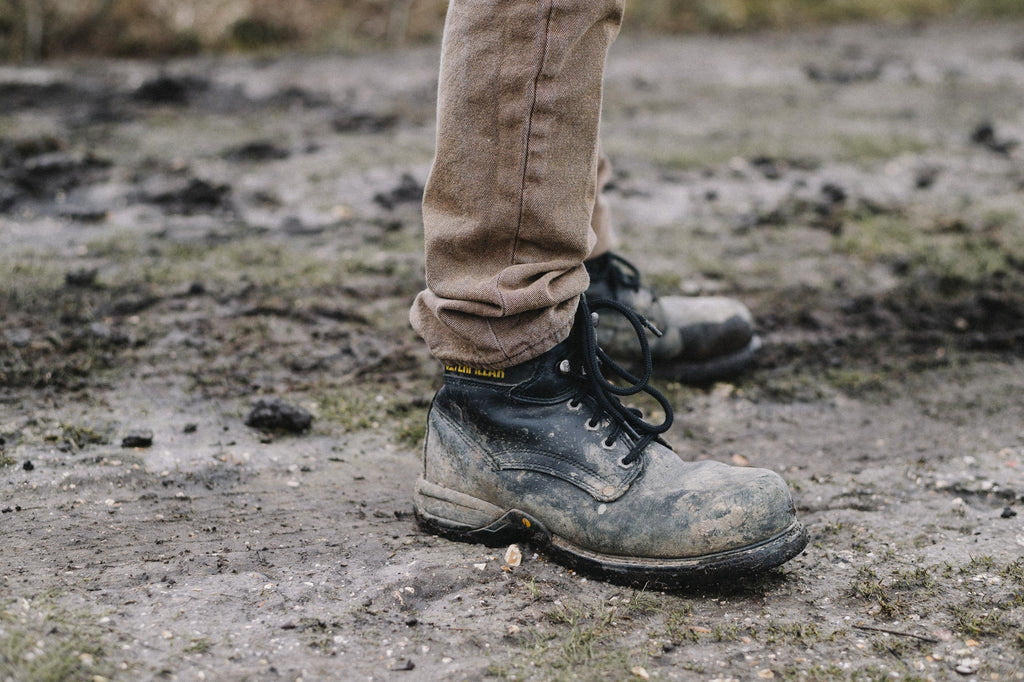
474, 372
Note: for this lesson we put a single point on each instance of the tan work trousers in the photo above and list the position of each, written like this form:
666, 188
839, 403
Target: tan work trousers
511, 208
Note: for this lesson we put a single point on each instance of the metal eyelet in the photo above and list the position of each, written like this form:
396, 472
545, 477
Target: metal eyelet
592, 425
564, 367
629, 465
608, 446
574, 405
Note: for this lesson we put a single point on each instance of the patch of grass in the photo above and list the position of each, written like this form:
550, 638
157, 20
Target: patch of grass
789, 385
65, 340
352, 410
882, 598
897, 646
56, 362
574, 636
995, 607
860, 148
963, 251
28, 281
745, 15
679, 625
238, 258
919, 578
78, 436
411, 432
666, 283
822, 672
642, 603
792, 633
358, 408
978, 599
319, 634
981, 620
140, 28
199, 645
876, 238
728, 632
858, 382
44, 642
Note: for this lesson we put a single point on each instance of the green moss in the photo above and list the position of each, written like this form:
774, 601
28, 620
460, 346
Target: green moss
576, 639
78, 436
981, 620
741, 15
959, 251
679, 625
199, 645
867, 586
858, 382
360, 407
861, 148
44, 642
802, 634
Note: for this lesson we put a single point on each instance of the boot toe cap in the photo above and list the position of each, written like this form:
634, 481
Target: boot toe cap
711, 508
707, 325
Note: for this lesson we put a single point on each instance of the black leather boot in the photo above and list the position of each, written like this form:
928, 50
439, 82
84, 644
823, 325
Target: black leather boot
545, 451
706, 338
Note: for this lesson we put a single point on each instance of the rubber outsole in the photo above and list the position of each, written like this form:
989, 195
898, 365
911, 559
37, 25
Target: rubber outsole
714, 369
516, 526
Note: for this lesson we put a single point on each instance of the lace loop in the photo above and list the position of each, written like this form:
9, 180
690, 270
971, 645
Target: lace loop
615, 271
617, 274
594, 362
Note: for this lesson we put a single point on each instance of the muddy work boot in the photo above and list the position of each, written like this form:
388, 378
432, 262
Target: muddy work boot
705, 338
546, 452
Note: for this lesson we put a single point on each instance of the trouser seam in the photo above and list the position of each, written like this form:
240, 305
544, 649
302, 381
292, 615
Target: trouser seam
526, 164
529, 129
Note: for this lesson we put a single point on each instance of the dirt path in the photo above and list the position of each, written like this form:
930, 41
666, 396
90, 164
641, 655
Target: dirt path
180, 240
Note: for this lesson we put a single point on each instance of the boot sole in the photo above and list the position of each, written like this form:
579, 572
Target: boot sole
437, 507
714, 369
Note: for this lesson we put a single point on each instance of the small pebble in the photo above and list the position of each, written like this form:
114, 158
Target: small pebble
967, 666
19, 338
513, 556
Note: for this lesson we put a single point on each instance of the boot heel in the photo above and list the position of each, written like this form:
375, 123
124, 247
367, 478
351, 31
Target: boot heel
463, 517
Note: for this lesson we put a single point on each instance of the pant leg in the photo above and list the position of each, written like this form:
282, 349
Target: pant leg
601, 220
509, 201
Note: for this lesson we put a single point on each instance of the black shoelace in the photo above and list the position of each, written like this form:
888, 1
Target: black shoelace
615, 271
595, 362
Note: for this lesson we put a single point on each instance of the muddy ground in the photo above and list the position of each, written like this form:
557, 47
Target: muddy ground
180, 240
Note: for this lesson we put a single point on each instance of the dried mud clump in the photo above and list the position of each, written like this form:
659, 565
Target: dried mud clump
274, 414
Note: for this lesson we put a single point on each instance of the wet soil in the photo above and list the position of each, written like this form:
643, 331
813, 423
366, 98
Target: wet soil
181, 241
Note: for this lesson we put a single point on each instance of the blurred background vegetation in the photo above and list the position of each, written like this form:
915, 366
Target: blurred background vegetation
42, 29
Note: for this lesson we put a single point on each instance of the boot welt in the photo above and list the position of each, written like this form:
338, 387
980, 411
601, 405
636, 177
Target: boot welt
461, 517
